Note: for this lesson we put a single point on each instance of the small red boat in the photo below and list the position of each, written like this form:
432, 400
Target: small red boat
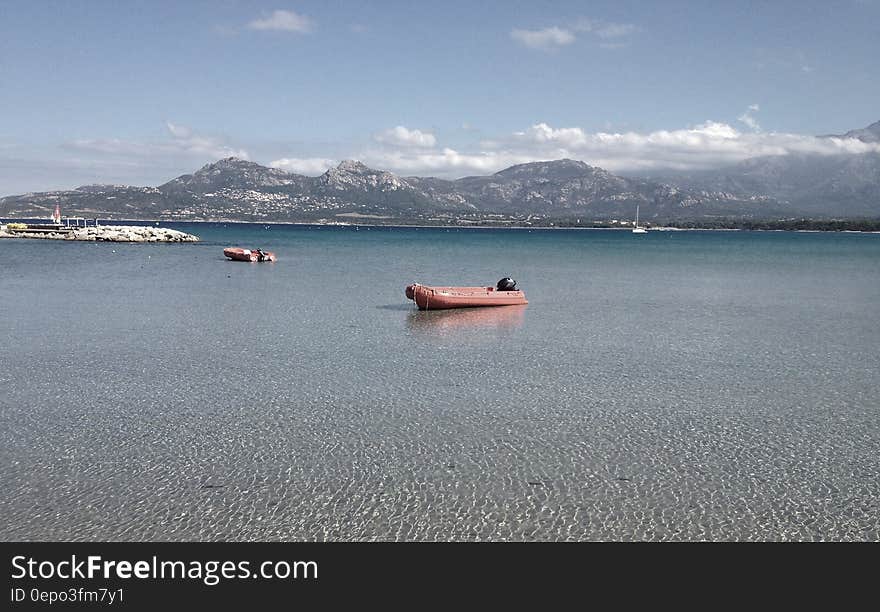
248, 254
504, 293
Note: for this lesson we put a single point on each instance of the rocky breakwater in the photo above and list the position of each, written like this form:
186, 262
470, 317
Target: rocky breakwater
100, 233
131, 233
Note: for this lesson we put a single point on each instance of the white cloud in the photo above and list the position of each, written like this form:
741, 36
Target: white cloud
310, 165
554, 37
707, 145
183, 141
447, 162
285, 21
565, 137
547, 38
178, 131
413, 152
188, 141
403, 137
749, 119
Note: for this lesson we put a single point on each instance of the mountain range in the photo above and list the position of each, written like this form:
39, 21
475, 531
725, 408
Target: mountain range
565, 190
845, 185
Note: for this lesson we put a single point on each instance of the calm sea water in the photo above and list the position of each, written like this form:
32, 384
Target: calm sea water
673, 386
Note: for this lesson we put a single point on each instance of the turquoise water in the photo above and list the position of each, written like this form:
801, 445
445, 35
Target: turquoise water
673, 386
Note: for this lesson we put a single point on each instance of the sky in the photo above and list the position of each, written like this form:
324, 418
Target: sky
139, 92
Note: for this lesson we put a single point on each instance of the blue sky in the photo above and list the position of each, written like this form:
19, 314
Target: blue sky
140, 92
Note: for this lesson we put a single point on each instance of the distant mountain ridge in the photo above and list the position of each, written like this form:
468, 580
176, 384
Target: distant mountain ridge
230, 172
565, 189
845, 185
232, 188
867, 134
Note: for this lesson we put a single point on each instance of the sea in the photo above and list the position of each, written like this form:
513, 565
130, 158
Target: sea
674, 386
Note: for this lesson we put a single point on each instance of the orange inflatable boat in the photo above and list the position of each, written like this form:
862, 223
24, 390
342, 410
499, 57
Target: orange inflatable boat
248, 254
504, 293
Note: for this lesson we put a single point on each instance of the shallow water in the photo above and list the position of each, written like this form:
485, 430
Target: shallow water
673, 386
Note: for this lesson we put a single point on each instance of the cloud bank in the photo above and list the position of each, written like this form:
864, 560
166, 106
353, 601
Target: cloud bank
284, 21
555, 37
182, 141
310, 166
546, 38
410, 151
749, 119
707, 145
403, 137
710, 144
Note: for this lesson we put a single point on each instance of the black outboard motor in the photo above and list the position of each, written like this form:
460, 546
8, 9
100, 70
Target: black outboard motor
506, 284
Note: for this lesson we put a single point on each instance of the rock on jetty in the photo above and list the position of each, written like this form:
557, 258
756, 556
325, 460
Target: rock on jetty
131, 233
106, 233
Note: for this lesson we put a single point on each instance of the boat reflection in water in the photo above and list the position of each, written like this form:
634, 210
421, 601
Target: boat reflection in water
466, 319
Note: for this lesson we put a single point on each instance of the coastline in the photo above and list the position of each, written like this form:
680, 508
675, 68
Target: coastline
844, 226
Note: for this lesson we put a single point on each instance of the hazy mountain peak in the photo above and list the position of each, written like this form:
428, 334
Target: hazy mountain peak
228, 172
96, 187
353, 166
351, 174
867, 134
557, 168
228, 163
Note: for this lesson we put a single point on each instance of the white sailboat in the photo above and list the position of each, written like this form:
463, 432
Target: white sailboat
636, 228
